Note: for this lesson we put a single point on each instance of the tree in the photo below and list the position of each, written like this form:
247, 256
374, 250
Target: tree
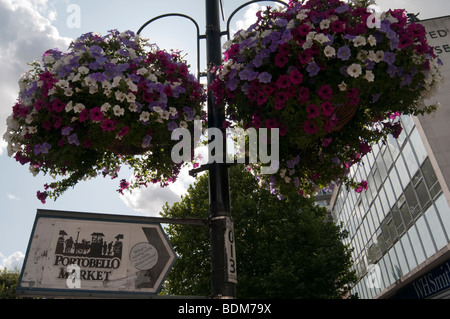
8, 283
285, 249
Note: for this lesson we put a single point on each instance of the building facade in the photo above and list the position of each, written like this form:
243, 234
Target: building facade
399, 228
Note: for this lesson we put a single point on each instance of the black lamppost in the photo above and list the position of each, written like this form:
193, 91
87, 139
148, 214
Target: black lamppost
223, 260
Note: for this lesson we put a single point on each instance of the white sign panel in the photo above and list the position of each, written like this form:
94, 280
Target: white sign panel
82, 254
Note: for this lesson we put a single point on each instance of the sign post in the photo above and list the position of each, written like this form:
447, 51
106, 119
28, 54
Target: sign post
95, 255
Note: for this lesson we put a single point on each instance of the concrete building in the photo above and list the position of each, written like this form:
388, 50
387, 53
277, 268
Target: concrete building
400, 227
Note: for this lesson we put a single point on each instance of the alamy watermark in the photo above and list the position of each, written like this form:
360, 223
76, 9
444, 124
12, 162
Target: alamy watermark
373, 279
257, 141
73, 20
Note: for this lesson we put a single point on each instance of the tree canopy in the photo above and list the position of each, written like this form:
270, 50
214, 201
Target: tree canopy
285, 248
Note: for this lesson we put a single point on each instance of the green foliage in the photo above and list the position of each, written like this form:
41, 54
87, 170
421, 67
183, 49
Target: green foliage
285, 249
8, 283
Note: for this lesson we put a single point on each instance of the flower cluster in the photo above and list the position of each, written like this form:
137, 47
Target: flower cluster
111, 100
330, 80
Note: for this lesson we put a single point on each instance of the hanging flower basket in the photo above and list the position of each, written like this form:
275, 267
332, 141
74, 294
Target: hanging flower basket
332, 79
111, 100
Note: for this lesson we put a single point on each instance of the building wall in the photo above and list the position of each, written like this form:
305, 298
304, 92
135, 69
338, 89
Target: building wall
400, 227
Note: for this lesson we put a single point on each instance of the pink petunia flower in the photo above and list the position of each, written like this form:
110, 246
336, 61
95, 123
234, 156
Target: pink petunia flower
313, 111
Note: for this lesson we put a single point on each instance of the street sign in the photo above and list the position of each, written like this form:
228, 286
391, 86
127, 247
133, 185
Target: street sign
95, 255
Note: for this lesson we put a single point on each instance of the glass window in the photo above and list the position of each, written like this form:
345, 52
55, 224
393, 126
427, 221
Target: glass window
402, 172
409, 254
398, 219
386, 234
395, 183
381, 167
417, 245
422, 194
389, 274
406, 216
381, 241
390, 192
393, 146
430, 178
387, 158
418, 146
444, 212
412, 202
410, 159
425, 236
407, 123
401, 258
436, 228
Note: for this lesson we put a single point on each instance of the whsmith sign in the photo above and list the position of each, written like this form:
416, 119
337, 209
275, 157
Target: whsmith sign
93, 255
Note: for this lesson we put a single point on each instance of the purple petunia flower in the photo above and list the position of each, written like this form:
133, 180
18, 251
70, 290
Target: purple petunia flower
344, 53
389, 57
265, 77
73, 139
313, 69
172, 125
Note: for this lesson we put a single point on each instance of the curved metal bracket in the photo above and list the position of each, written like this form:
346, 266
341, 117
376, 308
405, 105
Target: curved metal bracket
182, 16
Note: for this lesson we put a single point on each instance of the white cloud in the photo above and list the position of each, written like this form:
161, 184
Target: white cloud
149, 201
248, 19
12, 196
26, 34
12, 261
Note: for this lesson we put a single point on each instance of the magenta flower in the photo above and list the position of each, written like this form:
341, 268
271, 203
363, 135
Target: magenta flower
310, 127
313, 111
325, 92
96, 114
107, 125
327, 108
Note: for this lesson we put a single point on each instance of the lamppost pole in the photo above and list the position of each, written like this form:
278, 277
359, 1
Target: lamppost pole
221, 231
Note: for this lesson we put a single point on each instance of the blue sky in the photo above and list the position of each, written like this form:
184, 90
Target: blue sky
29, 27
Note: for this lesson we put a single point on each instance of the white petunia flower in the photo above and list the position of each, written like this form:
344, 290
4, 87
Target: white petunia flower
329, 51
144, 117
118, 111
354, 70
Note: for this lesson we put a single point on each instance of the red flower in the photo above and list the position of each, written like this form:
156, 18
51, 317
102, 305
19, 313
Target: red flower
325, 92
327, 108
107, 125
310, 127
313, 111
281, 60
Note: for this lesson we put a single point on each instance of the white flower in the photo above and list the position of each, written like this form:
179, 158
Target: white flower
116, 81
354, 70
145, 116
131, 98
133, 87
105, 107
152, 77
68, 92
78, 108
69, 106
118, 111
183, 124
48, 59
76, 77
64, 84
158, 110
359, 41
120, 96
321, 38
83, 70
329, 51
90, 81
369, 76
325, 24
342, 87
372, 40
142, 71
173, 111
133, 107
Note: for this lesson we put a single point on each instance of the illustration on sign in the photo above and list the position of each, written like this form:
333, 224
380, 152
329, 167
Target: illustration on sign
76, 253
